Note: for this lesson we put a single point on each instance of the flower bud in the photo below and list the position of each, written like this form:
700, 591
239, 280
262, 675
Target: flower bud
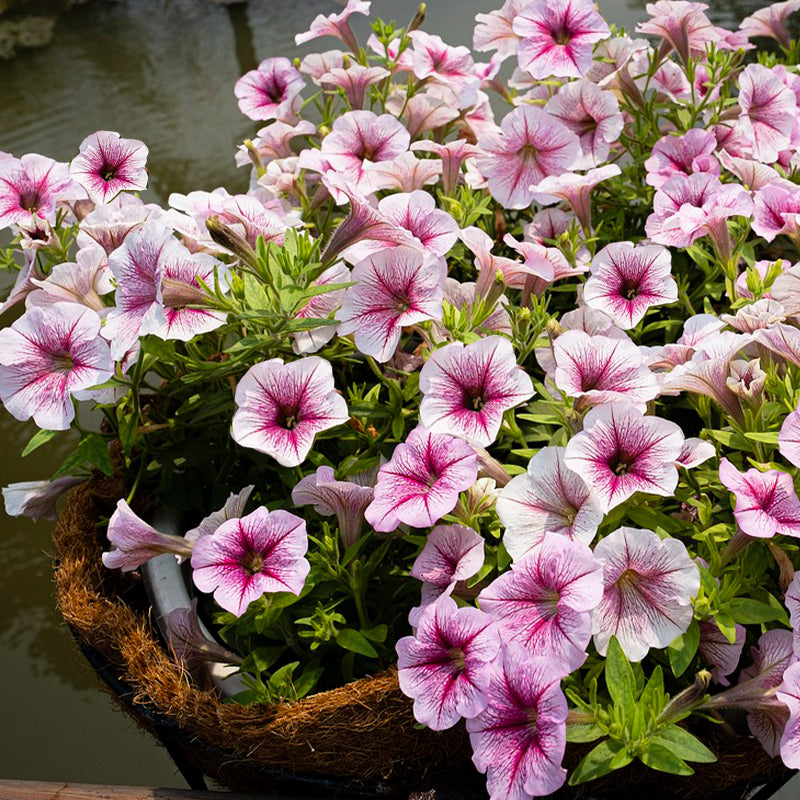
226, 237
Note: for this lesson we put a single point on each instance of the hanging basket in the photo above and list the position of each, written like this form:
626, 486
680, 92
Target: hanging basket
359, 740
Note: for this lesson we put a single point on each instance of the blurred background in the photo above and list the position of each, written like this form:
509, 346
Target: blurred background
161, 71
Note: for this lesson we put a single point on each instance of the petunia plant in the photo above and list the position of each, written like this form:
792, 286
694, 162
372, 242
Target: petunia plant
491, 377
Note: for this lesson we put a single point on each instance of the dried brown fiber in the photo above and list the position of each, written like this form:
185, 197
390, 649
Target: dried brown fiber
364, 730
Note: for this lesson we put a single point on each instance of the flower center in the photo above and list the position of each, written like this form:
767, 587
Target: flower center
457, 659
108, 173
63, 361
288, 418
29, 200
527, 153
253, 563
474, 398
619, 466
562, 36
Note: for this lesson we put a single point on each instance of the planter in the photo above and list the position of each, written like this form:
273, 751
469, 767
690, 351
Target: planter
358, 740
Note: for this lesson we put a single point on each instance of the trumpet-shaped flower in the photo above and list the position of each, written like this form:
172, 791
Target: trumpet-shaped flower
600, 370
547, 498
776, 209
271, 91
495, 30
353, 81
620, 452
789, 694
394, 288
770, 22
556, 37
545, 601
452, 155
36, 499
406, 173
447, 665
110, 224
592, 114
422, 481
628, 280
649, 584
449, 71
134, 542
33, 186
191, 647
722, 655
280, 408
108, 164
246, 558
48, 356
789, 438
346, 499
694, 452
681, 25
683, 155
766, 502
520, 738
467, 389
530, 145
272, 141
336, 25
321, 306
233, 509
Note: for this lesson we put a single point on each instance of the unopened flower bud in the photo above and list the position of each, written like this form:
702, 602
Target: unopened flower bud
226, 237
254, 155
418, 18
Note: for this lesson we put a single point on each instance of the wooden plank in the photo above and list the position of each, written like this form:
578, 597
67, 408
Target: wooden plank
43, 790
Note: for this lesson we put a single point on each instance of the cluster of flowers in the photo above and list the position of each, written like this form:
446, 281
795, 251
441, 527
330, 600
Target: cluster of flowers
618, 245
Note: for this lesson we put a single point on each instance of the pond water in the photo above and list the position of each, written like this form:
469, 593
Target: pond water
161, 71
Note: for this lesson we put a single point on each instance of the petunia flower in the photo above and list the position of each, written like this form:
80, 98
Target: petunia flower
452, 553
464, 296
446, 666
753, 174
789, 438
592, 114
788, 693
37, 499
233, 509
406, 173
530, 145
246, 558
336, 25
108, 164
134, 542
111, 223
548, 497
781, 339
520, 738
280, 408
443, 66
47, 357
394, 288
346, 499
495, 30
422, 481
353, 80
722, 655
620, 452
422, 112
649, 584
673, 155
191, 647
321, 306
627, 280
452, 155
681, 25
695, 452
545, 601
33, 186
598, 370
776, 210
768, 112
766, 502
467, 389
271, 91
556, 37
770, 22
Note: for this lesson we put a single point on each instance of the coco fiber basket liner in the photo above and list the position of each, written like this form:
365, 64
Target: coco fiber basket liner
363, 735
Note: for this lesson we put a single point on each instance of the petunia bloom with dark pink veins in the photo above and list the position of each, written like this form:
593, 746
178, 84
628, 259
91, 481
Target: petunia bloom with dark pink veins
280, 408
108, 164
422, 481
336, 25
557, 37
620, 452
467, 389
246, 558
272, 91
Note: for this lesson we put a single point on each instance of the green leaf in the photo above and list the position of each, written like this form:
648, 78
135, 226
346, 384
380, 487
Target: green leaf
652, 696
727, 626
94, 449
588, 732
683, 744
37, 440
377, 634
767, 438
682, 649
660, 758
595, 763
351, 639
620, 679
751, 612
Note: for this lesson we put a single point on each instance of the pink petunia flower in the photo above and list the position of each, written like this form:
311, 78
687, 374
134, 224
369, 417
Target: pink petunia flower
272, 142
776, 210
722, 655
134, 542
681, 25
394, 288
598, 370
233, 509
545, 601
649, 584
766, 502
467, 389
354, 80
628, 280
422, 112
771, 22
684, 154
788, 693
592, 114
346, 499
452, 553
520, 738
191, 647
446, 666
495, 30
768, 112
789, 438
422, 481
108, 165
695, 452
321, 306
406, 173
32, 186
110, 224
530, 145
556, 37
442, 65
37, 499
271, 91
452, 155
246, 558
47, 357
336, 25
280, 408
620, 452
548, 497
